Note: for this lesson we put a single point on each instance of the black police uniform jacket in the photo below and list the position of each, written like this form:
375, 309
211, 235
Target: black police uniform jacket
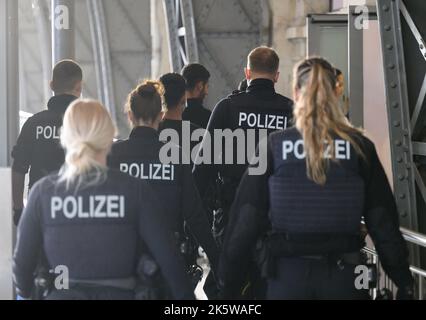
139, 156
38, 149
260, 107
283, 201
97, 232
196, 113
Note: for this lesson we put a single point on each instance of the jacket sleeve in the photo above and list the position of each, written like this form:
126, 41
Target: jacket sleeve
28, 245
196, 218
205, 174
22, 151
160, 241
381, 217
248, 221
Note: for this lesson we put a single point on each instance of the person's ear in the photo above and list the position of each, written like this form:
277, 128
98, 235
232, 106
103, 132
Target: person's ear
182, 101
156, 122
131, 117
247, 72
78, 88
277, 77
200, 87
51, 86
160, 116
337, 90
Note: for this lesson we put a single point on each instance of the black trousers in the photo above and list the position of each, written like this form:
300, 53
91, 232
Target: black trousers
314, 279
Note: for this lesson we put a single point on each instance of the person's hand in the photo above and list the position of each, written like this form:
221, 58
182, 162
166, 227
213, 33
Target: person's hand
17, 213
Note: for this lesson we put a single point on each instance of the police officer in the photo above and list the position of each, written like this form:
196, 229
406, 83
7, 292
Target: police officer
259, 107
92, 222
197, 88
37, 149
323, 177
174, 103
139, 156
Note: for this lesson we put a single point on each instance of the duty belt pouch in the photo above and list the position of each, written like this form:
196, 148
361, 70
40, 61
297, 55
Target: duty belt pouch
151, 285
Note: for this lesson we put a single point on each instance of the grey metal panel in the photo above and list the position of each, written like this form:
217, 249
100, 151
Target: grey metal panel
181, 32
9, 79
419, 148
41, 16
328, 37
31, 67
356, 65
316, 21
356, 71
190, 32
84, 50
102, 54
227, 30
63, 39
398, 111
328, 18
171, 8
129, 37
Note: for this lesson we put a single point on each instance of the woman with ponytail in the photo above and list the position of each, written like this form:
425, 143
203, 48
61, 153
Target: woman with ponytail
140, 157
323, 177
91, 223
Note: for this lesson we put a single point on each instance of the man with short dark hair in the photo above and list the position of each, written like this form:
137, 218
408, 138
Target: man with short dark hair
248, 110
37, 149
197, 88
175, 100
264, 63
258, 107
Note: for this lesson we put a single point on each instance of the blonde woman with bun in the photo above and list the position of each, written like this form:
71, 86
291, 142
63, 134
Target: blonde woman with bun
92, 222
323, 178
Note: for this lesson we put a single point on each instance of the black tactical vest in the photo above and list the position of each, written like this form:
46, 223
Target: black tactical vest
299, 205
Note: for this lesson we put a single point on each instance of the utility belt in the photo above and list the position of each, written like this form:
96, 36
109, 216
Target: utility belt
330, 248
297, 245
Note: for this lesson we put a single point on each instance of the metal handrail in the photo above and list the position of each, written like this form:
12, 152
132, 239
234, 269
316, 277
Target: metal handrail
414, 237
